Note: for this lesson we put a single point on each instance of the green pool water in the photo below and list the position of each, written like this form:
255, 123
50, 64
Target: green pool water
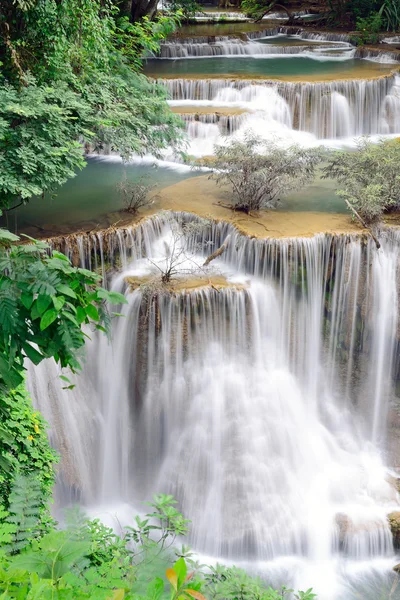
279, 67
87, 200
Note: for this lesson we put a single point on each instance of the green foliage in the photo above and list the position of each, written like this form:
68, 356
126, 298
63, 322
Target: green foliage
231, 583
143, 37
39, 127
256, 8
369, 177
24, 446
69, 77
259, 172
188, 9
390, 14
21, 523
369, 27
87, 560
44, 302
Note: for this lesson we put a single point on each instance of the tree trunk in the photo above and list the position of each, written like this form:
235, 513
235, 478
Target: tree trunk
289, 14
363, 223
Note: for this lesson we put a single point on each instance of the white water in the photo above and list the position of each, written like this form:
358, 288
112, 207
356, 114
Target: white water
238, 403
232, 47
336, 112
332, 113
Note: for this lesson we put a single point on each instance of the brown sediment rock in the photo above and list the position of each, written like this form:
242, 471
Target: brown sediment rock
179, 285
394, 523
201, 196
208, 110
368, 72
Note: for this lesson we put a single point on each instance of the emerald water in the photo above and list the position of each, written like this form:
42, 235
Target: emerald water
90, 199
268, 66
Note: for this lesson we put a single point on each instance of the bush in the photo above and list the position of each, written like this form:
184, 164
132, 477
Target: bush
24, 447
370, 177
259, 172
87, 560
135, 194
369, 28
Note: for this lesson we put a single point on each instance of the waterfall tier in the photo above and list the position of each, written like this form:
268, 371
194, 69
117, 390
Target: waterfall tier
238, 48
327, 109
197, 124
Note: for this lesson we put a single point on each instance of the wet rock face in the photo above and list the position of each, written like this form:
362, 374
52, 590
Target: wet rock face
394, 522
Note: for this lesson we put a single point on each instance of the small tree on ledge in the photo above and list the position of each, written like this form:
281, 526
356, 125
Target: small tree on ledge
260, 172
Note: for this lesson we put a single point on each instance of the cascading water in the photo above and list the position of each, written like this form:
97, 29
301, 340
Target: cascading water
239, 48
327, 110
260, 406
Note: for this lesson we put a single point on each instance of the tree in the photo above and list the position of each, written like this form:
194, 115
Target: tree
259, 172
69, 76
179, 256
257, 9
188, 8
369, 178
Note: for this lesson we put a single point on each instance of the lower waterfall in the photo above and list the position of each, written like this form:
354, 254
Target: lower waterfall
261, 406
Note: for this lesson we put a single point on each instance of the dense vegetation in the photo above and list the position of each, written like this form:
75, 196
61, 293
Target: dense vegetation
367, 16
69, 76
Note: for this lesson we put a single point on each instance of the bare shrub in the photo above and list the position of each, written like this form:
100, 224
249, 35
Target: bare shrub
135, 194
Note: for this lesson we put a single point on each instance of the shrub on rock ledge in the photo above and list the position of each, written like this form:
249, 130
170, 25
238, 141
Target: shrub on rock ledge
260, 172
369, 178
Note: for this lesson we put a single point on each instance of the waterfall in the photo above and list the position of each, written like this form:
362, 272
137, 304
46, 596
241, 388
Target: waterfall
365, 107
303, 34
237, 48
261, 407
197, 124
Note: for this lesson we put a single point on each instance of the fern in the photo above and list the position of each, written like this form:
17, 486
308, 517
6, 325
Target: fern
24, 511
8, 310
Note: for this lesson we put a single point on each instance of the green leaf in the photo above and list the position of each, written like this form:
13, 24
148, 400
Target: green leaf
67, 291
80, 314
112, 297
27, 300
7, 236
58, 302
32, 353
42, 302
155, 589
10, 375
48, 318
60, 256
92, 312
181, 570
35, 312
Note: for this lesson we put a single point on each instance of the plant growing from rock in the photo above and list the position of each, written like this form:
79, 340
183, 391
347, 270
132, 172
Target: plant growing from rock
179, 253
135, 194
260, 172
